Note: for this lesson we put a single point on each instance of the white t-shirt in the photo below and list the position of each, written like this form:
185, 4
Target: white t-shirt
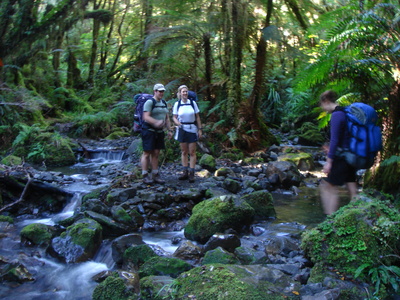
186, 114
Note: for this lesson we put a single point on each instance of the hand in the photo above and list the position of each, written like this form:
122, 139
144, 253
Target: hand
159, 124
170, 133
200, 133
327, 167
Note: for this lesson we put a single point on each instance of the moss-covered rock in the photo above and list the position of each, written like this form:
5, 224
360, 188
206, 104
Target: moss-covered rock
310, 135
7, 219
262, 203
217, 215
37, 234
47, 147
304, 161
158, 287
208, 162
134, 257
160, 265
357, 234
232, 185
217, 281
79, 242
11, 160
219, 256
113, 288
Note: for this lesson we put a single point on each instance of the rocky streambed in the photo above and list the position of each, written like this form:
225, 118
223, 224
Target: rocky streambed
229, 234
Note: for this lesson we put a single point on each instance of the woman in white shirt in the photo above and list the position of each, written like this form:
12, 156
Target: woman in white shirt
186, 118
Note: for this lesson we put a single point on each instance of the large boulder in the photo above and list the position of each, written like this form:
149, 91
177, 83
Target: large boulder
79, 242
217, 215
161, 266
262, 202
283, 173
304, 161
37, 234
359, 234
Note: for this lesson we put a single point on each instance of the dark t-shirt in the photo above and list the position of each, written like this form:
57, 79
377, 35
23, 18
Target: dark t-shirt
339, 136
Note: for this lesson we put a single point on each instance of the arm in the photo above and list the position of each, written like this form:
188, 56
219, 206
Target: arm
198, 121
153, 122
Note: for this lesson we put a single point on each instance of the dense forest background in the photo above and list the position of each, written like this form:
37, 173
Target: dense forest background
70, 69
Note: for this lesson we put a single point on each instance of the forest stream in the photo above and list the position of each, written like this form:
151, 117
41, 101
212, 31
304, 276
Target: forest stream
56, 280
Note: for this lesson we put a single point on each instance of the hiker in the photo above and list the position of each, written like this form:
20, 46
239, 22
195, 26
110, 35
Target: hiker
186, 117
154, 120
338, 171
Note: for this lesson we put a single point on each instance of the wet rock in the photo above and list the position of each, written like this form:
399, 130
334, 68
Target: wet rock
120, 244
113, 287
162, 266
95, 205
111, 228
37, 234
232, 186
262, 203
188, 251
207, 161
229, 242
250, 256
135, 256
217, 215
283, 172
153, 287
219, 256
79, 243
14, 271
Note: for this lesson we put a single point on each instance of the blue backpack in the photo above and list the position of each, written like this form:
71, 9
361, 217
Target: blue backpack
140, 100
365, 135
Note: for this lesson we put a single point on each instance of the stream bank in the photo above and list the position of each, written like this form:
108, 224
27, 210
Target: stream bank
274, 241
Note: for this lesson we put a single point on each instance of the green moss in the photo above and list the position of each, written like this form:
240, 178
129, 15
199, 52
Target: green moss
219, 256
121, 215
37, 233
7, 219
113, 288
359, 233
212, 282
138, 255
83, 233
163, 266
262, 203
11, 160
217, 215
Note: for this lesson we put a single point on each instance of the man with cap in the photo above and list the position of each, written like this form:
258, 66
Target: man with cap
155, 119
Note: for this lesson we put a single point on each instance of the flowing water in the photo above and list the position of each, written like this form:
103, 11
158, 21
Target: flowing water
55, 280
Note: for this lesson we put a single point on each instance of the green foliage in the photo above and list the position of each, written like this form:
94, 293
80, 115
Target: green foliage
381, 276
113, 288
94, 125
363, 233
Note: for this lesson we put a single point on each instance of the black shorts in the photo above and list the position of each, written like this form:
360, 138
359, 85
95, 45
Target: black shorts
152, 140
186, 137
341, 172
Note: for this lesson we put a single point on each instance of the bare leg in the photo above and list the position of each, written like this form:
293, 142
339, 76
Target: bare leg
144, 161
329, 196
154, 159
192, 152
353, 190
184, 155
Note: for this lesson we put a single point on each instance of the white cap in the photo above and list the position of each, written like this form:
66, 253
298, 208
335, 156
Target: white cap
159, 87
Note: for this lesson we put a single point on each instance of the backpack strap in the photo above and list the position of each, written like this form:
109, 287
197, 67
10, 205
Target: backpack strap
191, 104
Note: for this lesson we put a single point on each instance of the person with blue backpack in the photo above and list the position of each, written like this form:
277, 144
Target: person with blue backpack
155, 119
187, 119
338, 170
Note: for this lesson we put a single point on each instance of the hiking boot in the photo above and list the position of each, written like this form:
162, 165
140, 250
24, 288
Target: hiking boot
191, 176
157, 178
147, 179
184, 175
